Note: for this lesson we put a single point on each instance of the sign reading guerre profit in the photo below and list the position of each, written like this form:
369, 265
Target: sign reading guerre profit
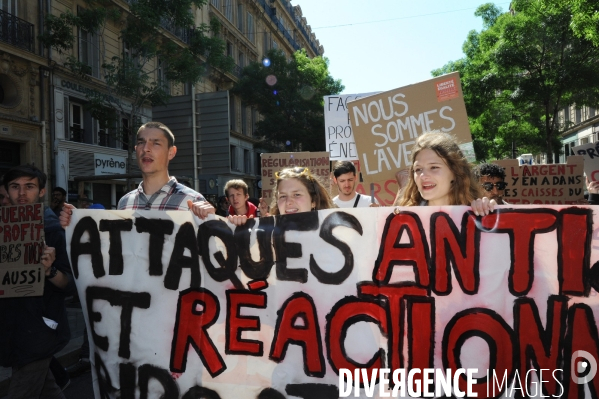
317, 162
544, 184
385, 126
21, 248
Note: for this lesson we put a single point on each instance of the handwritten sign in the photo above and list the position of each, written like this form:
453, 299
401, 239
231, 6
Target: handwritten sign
21, 248
317, 162
280, 306
386, 125
544, 184
590, 154
338, 132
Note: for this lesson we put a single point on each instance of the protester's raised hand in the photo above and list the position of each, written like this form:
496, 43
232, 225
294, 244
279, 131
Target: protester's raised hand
239, 220
592, 186
201, 208
65, 215
263, 207
483, 206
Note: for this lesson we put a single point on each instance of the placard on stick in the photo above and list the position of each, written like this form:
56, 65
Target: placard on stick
590, 154
386, 125
544, 184
317, 162
338, 133
22, 231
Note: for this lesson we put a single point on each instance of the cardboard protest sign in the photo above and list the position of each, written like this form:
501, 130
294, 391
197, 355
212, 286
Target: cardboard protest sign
317, 162
21, 248
543, 184
386, 125
590, 154
338, 131
296, 305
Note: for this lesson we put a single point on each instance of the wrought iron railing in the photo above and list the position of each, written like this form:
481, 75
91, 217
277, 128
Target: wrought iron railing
77, 134
16, 31
182, 33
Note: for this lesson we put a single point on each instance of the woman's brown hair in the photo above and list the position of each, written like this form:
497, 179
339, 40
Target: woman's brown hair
464, 188
318, 193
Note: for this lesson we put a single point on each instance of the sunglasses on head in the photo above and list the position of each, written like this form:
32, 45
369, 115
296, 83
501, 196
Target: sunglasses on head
489, 186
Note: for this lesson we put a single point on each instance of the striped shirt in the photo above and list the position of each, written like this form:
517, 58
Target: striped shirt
172, 196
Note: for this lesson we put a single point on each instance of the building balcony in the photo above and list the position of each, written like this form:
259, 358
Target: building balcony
182, 33
272, 13
77, 134
16, 31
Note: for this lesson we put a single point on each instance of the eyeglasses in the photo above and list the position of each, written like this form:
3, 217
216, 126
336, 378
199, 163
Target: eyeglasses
489, 186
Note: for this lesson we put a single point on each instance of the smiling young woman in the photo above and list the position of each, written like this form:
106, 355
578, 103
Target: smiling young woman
297, 190
440, 174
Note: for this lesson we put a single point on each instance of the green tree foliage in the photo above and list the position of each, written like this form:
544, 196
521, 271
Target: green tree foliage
288, 94
519, 72
130, 78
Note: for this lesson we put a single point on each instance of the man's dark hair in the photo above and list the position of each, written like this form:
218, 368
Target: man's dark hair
60, 190
170, 137
490, 170
29, 171
343, 167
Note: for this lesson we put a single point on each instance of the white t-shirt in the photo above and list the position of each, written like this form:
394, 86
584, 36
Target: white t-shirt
364, 202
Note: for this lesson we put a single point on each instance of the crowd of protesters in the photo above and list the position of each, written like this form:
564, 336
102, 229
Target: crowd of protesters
439, 175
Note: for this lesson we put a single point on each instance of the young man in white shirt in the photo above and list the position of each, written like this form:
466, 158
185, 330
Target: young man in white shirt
345, 178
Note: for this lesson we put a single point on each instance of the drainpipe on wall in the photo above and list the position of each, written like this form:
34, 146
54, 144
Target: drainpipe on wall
196, 182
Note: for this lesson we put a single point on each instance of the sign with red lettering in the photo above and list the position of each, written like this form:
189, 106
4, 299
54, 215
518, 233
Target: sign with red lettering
286, 306
21, 248
386, 125
544, 184
317, 162
590, 154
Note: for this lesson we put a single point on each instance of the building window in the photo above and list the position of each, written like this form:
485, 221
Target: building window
77, 131
246, 161
254, 121
161, 75
241, 59
124, 133
240, 17
228, 11
229, 49
244, 110
275, 45
234, 158
215, 3
257, 164
89, 51
232, 113
266, 43
250, 27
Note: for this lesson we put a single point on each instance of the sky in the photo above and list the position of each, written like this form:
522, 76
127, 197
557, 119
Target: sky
380, 45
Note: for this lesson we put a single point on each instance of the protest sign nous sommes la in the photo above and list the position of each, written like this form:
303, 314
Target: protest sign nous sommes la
283, 306
386, 125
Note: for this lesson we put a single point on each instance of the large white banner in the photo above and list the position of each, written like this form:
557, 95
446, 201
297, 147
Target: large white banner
282, 306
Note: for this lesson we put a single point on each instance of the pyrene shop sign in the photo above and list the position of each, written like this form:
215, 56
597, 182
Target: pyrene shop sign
109, 164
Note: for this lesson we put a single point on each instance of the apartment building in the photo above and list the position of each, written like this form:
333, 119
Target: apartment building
215, 131
23, 87
583, 128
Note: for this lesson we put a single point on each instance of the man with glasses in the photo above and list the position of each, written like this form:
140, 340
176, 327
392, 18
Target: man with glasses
492, 179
